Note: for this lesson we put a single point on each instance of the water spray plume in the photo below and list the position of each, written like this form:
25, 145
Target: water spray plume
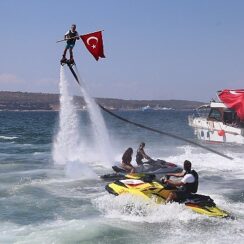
101, 136
68, 138
72, 148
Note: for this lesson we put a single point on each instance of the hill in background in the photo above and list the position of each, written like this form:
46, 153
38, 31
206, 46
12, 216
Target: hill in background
44, 101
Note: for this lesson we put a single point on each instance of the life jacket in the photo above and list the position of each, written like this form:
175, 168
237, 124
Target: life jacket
192, 187
70, 35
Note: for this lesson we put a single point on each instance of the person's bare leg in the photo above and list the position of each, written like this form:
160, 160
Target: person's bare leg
127, 167
64, 54
132, 170
71, 54
171, 197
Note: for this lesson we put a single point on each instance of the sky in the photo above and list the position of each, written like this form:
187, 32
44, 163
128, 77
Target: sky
160, 49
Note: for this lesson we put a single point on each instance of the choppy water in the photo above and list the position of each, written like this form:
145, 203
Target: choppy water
41, 202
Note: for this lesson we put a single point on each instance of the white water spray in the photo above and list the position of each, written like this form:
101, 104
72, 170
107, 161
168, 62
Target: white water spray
68, 137
68, 147
71, 147
101, 136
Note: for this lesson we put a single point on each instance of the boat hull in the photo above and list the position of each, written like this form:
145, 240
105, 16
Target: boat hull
215, 131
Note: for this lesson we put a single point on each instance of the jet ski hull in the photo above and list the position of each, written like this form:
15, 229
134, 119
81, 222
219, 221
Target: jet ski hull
159, 192
158, 168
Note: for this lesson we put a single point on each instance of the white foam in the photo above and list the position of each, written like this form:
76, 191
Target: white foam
8, 137
173, 222
133, 208
209, 161
77, 170
67, 142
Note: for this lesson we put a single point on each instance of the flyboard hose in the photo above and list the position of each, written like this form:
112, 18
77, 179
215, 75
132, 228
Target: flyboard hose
163, 133
152, 129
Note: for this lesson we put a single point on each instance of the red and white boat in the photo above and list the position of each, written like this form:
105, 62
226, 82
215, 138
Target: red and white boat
224, 120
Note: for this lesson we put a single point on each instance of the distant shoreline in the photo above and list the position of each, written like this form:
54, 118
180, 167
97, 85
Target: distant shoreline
31, 102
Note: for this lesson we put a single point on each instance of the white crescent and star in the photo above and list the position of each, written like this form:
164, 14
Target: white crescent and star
92, 38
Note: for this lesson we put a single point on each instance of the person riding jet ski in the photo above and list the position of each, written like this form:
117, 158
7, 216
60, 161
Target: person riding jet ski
141, 154
126, 160
187, 185
157, 167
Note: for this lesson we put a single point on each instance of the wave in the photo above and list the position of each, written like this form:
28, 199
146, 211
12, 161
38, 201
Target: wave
8, 137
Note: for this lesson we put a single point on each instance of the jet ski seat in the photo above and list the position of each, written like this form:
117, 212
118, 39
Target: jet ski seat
200, 200
148, 178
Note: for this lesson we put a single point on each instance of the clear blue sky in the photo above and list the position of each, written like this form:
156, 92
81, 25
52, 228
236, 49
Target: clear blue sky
160, 49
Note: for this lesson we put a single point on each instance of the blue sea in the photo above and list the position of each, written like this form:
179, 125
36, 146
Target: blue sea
42, 201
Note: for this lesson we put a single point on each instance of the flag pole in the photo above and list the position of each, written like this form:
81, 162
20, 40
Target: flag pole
63, 40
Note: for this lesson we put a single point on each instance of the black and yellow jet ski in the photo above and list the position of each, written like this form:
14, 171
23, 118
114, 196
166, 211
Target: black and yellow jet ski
148, 188
158, 167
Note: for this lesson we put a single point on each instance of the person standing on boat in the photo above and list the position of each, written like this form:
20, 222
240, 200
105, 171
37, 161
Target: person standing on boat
141, 154
126, 161
185, 187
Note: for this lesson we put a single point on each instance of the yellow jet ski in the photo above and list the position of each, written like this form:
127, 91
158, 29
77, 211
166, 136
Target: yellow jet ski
147, 188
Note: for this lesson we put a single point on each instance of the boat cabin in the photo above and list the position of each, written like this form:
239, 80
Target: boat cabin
219, 112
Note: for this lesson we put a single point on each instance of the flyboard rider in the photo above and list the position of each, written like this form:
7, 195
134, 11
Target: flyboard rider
70, 36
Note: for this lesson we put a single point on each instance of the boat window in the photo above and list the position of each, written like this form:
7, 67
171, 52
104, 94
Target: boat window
215, 114
229, 116
203, 112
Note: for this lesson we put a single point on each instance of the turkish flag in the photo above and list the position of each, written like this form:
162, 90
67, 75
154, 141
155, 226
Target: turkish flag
94, 44
234, 99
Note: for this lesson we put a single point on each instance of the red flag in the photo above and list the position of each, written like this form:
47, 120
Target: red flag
94, 44
234, 99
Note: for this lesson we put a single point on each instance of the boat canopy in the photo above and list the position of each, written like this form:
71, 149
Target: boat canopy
233, 99
217, 105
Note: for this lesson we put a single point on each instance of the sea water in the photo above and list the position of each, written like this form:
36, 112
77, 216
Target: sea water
42, 202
